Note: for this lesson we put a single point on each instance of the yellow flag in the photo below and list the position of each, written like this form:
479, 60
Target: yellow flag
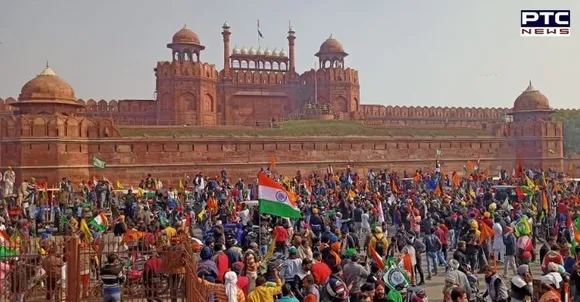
86, 231
181, 184
531, 184
120, 185
140, 191
351, 194
201, 214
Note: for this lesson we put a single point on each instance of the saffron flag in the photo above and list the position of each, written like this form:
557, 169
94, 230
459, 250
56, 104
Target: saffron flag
275, 200
437, 192
259, 32
486, 232
120, 185
469, 166
272, 163
351, 194
100, 222
417, 178
545, 202
377, 258
394, 186
456, 179
132, 235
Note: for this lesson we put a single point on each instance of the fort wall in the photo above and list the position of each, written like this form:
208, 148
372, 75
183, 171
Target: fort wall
131, 159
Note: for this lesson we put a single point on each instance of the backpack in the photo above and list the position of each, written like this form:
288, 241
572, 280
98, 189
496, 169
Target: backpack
419, 246
379, 246
323, 292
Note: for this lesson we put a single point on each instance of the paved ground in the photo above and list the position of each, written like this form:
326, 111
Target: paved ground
435, 285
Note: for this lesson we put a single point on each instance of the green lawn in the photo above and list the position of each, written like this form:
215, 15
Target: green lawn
300, 128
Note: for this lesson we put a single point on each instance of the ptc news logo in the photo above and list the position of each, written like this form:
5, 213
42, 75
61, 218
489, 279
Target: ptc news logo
545, 23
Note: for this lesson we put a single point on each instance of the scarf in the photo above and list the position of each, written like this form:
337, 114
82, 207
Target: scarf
231, 280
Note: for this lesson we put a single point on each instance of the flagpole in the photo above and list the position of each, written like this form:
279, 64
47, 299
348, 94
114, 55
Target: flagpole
258, 33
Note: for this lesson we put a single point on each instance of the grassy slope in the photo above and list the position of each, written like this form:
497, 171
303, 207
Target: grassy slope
571, 124
300, 128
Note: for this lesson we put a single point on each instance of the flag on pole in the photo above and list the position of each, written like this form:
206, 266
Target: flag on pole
377, 258
275, 200
100, 222
259, 32
85, 229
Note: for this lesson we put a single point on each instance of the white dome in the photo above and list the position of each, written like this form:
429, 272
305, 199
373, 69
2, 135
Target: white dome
252, 51
275, 52
283, 53
244, 50
268, 52
236, 50
260, 52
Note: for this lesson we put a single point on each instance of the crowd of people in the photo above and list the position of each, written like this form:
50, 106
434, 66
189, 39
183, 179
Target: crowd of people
360, 236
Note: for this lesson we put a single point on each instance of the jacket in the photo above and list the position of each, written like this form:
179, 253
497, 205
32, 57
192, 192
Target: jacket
509, 240
496, 289
264, 293
355, 274
335, 290
112, 277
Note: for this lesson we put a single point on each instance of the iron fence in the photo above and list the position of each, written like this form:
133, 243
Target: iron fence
59, 268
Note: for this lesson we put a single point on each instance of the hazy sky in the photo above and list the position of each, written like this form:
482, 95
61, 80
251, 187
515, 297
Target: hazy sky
408, 52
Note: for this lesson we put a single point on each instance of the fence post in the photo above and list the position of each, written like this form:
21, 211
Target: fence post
73, 275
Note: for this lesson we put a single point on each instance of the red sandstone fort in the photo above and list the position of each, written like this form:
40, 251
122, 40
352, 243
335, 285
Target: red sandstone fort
48, 133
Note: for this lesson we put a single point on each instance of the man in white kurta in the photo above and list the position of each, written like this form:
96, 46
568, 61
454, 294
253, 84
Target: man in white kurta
9, 179
498, 245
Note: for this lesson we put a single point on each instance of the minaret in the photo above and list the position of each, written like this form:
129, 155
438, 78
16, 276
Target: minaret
291, 39
226, 33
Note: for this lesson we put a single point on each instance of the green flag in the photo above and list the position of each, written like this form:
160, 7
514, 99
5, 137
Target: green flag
7, 252
99, 163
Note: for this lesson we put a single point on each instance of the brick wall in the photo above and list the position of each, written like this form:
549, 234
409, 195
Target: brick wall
131, 159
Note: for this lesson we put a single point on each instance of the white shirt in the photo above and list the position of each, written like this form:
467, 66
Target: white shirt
365, 221
244, 216
171, 195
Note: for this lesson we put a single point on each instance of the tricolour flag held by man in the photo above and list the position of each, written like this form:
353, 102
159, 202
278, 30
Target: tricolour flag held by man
100, 222
275, 200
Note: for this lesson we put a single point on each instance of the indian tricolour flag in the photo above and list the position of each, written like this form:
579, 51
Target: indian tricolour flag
5, 239
275, 200
100, 222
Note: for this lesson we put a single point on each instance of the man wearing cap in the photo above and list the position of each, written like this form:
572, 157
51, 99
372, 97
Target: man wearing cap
291, 266
459, 277
521, 284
